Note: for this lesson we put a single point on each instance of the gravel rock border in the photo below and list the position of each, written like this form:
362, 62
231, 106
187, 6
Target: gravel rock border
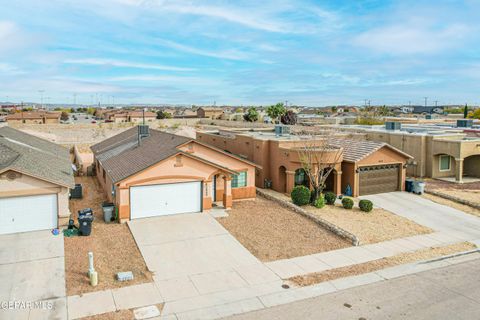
333, 228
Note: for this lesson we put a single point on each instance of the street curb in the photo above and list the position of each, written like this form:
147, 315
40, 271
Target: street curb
454, 199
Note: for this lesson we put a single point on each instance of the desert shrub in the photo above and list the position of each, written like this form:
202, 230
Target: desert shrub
330, 198
365, 205
300, 195
320, 202
347, 203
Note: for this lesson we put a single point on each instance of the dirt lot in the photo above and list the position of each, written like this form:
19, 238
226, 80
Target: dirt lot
376, 226
371, 266
272, 232
464, 191
112, 244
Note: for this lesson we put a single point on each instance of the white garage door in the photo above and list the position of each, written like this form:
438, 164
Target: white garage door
20, 214
165, 199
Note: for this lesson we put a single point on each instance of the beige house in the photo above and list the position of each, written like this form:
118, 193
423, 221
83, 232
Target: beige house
152, 173
211, 113
436, 153
34, 117
35, 177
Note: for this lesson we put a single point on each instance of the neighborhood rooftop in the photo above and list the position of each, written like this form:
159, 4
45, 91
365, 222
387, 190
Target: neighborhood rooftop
123, 155
34, 156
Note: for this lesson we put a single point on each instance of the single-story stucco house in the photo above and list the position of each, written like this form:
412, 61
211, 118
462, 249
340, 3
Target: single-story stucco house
363, 167
149, 173
35, 177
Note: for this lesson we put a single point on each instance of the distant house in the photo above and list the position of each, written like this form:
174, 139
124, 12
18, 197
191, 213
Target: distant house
403, 109
34, 117
119, 116
211, 113
428, 109
35, 177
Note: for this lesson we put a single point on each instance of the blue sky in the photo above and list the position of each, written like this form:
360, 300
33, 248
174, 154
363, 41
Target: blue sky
240, 52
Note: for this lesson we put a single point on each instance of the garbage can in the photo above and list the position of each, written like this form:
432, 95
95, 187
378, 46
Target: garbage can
418, 187
108, 209
409, 185
85, 219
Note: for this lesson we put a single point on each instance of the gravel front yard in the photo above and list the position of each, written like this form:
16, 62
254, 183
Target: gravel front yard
371, 266
465, 191
376, 226
453, 204
272, 232
112, 244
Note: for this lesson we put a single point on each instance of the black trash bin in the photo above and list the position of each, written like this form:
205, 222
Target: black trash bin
85, 219
409, 185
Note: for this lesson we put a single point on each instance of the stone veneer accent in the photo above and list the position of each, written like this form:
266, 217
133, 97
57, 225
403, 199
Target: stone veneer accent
333, 228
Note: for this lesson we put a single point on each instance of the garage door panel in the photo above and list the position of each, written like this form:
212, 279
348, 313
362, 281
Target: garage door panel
378, 179
165, 199
21, 214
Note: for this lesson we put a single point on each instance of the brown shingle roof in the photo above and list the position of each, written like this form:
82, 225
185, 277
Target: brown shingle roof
121, 155
33, 156
357, 150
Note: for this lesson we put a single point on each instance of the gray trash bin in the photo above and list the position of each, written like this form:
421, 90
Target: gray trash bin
108, 209
418, 187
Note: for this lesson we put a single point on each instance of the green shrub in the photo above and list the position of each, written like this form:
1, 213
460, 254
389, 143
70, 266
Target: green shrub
320, 202
347, 203
365, 205
330, 198
300, 195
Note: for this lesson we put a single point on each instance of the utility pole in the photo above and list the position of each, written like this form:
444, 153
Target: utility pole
436, 101
41, 97
426, 99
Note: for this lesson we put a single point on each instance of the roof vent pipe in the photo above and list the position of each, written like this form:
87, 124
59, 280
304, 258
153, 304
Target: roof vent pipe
143, 132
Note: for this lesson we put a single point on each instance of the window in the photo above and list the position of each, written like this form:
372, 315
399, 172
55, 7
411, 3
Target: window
239, 180
444, 163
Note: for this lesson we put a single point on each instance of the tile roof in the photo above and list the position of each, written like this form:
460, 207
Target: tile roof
33, 156
122, 156
357, 150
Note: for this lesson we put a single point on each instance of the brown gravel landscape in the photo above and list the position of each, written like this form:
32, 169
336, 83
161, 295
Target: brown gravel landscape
271, 232
465, 191
376, 226
112, 244
404, 258
453, 204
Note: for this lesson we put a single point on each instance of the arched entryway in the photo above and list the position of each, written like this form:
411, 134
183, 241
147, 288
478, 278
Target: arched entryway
330, 182
301, 178
471, 166
282, 179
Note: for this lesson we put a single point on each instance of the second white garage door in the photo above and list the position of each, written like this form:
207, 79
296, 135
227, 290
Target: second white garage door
165, 199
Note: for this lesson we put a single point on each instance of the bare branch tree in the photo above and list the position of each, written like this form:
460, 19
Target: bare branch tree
319, 154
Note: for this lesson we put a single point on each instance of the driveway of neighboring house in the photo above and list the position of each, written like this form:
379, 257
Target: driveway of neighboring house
428, 213
32, 269
192, 255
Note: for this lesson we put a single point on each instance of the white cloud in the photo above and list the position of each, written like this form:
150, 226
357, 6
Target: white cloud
416, 38
124, 64
231, 54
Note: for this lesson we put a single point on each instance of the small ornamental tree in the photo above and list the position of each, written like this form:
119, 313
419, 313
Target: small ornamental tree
64, 116
276, 111
289, 118
251, 115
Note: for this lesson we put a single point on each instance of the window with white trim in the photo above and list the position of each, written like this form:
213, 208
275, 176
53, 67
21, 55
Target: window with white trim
444, 163
239, 180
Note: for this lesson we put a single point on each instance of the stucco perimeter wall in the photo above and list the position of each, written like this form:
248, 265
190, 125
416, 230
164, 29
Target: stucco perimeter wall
24, 185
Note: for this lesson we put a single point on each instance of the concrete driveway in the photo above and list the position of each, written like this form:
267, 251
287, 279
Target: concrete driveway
32, 269
193, 255
428, 213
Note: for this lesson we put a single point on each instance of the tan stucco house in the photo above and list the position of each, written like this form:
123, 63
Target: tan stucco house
211, 113
35, 177
34, 117
147, 173
364, 167
437, 153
